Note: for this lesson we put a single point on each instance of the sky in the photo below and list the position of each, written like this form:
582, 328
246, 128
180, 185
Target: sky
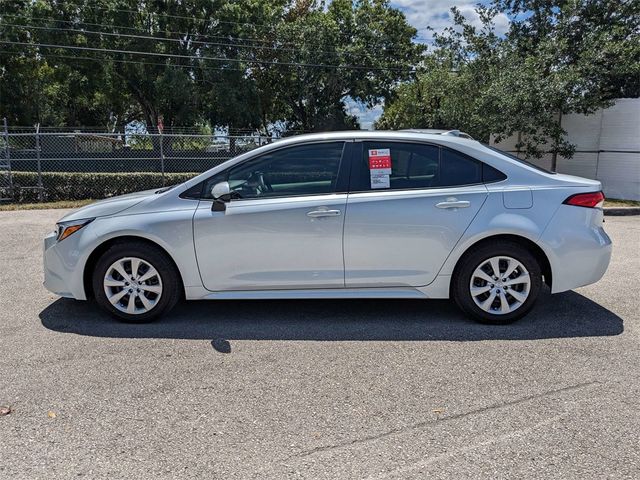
422, 14
436, 14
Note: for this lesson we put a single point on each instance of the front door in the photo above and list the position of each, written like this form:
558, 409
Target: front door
283, 229
410, 204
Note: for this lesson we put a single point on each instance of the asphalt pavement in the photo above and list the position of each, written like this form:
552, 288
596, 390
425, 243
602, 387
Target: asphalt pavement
317, 389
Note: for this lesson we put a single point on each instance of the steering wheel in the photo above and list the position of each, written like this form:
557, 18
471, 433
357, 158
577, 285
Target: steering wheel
265, 182
259, 182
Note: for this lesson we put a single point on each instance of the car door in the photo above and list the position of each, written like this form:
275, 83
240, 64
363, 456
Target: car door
409, 204
283, 227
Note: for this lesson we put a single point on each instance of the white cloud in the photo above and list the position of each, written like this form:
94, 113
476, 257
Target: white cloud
437, 15
366, 116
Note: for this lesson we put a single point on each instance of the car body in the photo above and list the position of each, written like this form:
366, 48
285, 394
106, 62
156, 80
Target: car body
330, 216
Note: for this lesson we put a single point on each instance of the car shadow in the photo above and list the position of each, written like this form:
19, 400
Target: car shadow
559, 316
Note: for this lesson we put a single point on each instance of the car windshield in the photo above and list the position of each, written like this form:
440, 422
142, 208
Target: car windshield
513, 157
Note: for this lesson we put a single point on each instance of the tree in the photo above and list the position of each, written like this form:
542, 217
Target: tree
450, 80
49, 89
241, 65
558, 57
342, 50
438, 98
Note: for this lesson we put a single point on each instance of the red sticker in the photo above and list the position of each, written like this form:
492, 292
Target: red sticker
380, 158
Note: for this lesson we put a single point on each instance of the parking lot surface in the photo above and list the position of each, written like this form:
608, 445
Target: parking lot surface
317, 389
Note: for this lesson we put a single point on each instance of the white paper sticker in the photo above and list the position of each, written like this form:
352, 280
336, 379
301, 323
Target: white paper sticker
380, 167
380, 180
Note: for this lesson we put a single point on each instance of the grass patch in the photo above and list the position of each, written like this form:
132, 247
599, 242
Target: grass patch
613, 202
44, 205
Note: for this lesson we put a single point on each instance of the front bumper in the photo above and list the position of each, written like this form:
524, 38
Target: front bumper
63, 266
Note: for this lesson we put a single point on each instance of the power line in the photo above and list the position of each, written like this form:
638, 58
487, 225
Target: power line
173, 32
221, 59
222, 37
187, 17
124, 27
152, 37
135, 62
184, 17
143, 37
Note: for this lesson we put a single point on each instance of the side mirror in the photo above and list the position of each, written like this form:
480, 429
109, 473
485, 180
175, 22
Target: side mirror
220, 190
221, 193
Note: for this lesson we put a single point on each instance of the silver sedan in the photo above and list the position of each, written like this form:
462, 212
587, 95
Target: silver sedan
340, 215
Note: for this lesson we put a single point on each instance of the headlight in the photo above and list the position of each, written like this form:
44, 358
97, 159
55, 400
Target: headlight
64, 229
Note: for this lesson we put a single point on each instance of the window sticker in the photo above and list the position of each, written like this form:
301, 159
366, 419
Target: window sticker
380, 167
380, 181
380, 161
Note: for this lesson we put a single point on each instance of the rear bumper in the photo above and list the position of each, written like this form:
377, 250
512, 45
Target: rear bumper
577, 246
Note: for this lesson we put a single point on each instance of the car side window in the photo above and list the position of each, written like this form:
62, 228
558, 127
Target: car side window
298, 170
393, 165
458, 169
399, 166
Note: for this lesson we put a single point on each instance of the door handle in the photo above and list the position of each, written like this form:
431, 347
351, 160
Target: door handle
452, 203
323, 213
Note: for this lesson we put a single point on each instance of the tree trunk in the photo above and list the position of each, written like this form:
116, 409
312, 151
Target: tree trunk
554, 156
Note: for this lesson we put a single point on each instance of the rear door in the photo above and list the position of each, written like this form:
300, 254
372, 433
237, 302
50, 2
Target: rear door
409, 204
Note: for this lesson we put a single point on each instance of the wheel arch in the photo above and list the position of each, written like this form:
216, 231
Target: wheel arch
99, 250
530, 245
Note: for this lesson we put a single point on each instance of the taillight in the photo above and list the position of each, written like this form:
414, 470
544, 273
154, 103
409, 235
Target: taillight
589, 200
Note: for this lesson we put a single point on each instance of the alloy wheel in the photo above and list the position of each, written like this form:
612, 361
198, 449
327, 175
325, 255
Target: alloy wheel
500, 285
132, 285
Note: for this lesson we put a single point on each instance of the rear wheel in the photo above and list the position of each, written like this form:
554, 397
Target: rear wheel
136, 282
497, 283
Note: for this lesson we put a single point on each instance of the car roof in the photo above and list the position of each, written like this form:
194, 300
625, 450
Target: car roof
451, 136
435, 131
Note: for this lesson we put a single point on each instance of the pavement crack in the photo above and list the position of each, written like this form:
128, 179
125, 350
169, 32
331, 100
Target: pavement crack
458, 451
426, 423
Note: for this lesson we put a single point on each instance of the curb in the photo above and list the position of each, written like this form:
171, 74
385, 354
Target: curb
621, 211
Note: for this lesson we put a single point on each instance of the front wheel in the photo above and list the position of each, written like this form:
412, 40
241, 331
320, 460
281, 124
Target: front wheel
497, 283
136, 282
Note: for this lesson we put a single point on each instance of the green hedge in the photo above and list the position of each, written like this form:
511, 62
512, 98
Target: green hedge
80, 186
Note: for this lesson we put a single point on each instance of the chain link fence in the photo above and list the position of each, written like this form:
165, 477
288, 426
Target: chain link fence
53, 165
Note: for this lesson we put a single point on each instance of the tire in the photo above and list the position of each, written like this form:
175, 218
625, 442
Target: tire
153, 293
475, 271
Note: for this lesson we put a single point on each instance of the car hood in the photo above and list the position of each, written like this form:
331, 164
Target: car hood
109, 206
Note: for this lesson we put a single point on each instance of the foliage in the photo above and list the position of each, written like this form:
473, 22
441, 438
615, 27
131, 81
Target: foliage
242, 65
366, 47
558, 57
293, 65
438, 98
80, 186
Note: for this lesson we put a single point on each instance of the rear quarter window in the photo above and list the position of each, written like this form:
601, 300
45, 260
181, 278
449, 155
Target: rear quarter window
458, 169
491, 175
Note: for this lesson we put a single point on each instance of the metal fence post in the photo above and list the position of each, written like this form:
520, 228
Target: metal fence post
40, 187
162, 157
7, 151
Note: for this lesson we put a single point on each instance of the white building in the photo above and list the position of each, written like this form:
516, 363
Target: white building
607, 148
